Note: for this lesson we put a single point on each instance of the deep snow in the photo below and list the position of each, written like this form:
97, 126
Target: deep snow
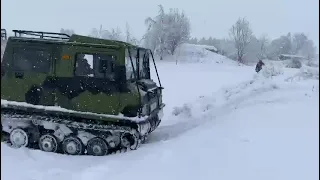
222, 121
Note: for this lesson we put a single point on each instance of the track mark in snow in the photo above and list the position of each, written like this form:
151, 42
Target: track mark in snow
208, 109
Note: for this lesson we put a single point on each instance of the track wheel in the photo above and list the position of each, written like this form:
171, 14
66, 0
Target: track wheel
19, 138
129, 140
97, 147
48, 143
72, 145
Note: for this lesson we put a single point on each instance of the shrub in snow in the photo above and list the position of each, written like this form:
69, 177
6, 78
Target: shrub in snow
270, 70
309, 72
313, 63
294, 63
306, 72
184, 110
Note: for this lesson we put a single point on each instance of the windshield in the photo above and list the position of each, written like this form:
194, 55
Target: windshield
140, 60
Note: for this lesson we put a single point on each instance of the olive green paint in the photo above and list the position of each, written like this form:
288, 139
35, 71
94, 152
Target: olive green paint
14, 89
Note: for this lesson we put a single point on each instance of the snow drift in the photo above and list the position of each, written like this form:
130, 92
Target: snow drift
192, 53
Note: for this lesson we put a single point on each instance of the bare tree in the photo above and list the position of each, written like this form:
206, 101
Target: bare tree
241, 34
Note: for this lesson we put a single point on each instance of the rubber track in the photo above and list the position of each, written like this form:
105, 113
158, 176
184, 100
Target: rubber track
74, 126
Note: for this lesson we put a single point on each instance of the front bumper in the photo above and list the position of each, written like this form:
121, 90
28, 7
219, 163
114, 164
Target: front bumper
152, 122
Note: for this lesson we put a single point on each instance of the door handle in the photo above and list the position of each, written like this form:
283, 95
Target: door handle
19, 75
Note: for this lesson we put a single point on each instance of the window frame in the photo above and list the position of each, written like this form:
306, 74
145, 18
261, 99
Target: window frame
16, 51
96, 73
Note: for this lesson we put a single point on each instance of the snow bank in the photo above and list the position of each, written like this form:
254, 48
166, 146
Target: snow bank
193, 53
270, 70
313, 63
294, 63
228, 96
305, 73
269, 79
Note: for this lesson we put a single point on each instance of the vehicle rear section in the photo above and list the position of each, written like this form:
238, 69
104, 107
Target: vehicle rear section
26, 66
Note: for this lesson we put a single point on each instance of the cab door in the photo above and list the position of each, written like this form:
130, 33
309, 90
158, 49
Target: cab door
94, 81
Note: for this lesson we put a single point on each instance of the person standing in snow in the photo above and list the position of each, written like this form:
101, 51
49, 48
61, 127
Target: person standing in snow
259, 66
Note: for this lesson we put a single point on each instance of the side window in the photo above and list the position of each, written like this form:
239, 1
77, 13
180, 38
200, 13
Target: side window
146, 64
129, 69
84, 65
105, 66
31, 59
141, 65
95, 65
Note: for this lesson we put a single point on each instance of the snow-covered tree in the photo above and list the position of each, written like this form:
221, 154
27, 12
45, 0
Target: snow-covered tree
166, 31
303, 46
253, 51
298, 41
299, 44
241, 34
129, 38
193, 40
100, 33
67, 31
263, 44
114, 34
308, 50
281, 45
155, 36
178, 29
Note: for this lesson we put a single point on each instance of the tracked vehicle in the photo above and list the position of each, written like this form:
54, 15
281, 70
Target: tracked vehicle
76, 94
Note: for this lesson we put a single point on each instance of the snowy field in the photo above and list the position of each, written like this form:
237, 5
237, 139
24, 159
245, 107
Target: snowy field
222, 121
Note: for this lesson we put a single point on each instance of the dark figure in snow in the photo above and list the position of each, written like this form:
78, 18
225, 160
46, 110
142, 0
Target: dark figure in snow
259, 66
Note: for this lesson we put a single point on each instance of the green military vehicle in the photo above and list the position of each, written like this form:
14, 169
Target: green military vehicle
77, 94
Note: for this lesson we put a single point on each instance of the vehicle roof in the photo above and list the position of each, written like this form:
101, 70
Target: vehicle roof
78, 40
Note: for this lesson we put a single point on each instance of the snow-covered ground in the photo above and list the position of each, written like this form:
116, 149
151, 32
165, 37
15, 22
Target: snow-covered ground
222, 121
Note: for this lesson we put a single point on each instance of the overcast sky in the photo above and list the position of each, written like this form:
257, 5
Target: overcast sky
208, 17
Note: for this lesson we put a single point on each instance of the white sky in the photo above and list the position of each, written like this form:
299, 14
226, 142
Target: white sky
208, 17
